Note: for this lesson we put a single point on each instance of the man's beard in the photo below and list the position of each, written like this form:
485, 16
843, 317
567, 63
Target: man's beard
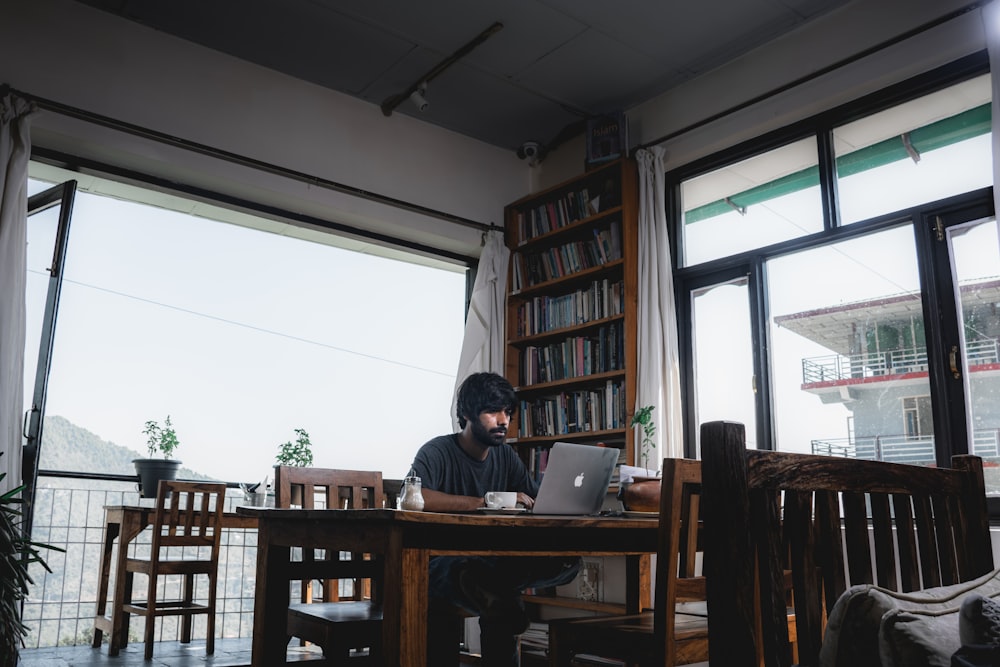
488, 438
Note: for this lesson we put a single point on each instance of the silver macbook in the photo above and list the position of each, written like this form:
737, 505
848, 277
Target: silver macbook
576, 479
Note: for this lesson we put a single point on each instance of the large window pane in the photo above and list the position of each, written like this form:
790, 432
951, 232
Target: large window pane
849, 359
975, 253
242, 336
724, 377
918, 152
751, 204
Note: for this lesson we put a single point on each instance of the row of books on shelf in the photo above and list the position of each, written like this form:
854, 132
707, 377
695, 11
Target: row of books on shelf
575, 356
604, 298
565, 209
582, 411
532, 268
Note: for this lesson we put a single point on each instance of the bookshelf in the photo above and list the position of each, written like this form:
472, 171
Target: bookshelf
571, 320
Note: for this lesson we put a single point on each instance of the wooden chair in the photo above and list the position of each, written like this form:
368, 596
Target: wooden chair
188, 516
833, 522
668, 635
343, 624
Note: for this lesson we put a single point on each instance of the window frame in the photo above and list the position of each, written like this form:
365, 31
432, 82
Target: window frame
938, 301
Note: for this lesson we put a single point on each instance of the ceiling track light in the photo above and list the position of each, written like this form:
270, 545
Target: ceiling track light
419, 88
419, 97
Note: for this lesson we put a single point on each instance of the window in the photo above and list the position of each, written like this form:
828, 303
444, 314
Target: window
873, 331
756, 202
240, 335
907, 155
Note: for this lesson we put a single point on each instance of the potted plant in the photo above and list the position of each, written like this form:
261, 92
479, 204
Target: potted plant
643, 493
297, 454
162, 440
17, 553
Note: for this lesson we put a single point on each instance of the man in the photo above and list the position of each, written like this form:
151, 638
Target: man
456, 472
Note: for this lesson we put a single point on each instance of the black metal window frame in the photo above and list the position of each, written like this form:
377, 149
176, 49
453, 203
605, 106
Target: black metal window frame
750, 265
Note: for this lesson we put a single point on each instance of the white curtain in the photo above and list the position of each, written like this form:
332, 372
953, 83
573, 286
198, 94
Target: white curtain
15, 149
991, 23
658, 382
483, 345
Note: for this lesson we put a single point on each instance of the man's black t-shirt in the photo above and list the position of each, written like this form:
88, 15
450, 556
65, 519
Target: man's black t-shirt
442, 465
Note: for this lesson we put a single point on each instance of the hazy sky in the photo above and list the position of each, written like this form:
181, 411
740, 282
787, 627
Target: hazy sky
242, 336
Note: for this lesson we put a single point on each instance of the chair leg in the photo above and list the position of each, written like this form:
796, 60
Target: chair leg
210, 631
126, 617
148, 635
186, 600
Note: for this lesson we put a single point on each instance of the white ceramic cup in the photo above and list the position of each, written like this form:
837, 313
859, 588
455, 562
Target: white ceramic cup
496, 500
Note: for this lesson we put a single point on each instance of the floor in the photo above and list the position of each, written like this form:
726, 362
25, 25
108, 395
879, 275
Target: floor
228, 653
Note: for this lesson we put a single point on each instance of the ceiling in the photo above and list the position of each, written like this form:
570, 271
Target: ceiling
551, 65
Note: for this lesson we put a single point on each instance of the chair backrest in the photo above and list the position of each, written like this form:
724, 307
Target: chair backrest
833, 522
359, 489
336, 489
677, 549
188, 514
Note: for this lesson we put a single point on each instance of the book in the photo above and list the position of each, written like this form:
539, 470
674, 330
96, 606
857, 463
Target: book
607, 138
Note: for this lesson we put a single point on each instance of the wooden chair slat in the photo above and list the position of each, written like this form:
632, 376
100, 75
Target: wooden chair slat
945, 529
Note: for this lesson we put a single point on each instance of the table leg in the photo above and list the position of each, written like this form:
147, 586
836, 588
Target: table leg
111, 530
129, 528
414, 609
270, 612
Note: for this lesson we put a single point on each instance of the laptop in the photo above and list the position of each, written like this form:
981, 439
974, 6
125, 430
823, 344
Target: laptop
576, 479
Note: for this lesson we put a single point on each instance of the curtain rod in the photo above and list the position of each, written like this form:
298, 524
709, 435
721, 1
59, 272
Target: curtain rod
818, 73
236, 158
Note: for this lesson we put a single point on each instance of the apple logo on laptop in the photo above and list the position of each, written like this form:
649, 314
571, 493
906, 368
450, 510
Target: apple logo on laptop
578, 480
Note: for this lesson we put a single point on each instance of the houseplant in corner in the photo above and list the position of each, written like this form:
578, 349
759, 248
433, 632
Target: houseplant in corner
162, 440
17, 553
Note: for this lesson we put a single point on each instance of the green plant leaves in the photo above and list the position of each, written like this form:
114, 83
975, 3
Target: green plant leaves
298, 453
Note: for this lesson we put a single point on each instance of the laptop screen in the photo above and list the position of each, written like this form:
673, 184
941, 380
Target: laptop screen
576, 479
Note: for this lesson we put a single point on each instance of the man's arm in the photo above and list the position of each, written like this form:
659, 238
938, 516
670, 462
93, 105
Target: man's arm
437, 501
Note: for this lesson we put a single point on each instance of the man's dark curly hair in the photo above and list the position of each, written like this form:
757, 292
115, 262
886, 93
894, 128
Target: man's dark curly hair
484, 392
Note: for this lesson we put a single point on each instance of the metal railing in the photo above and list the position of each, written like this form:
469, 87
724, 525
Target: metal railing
61, 604
903, 449
838, 367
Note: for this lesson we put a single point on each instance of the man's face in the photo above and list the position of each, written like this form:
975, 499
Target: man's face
490, 430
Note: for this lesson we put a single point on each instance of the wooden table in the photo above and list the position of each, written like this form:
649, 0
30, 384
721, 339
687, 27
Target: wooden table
407, 540
124, 523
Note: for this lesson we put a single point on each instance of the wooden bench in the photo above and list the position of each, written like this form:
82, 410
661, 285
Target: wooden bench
833, 522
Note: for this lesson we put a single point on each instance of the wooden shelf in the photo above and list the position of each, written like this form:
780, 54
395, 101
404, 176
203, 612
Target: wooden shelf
555, 334
604, 399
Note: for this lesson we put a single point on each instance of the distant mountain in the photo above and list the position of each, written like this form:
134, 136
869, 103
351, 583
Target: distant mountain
66, 446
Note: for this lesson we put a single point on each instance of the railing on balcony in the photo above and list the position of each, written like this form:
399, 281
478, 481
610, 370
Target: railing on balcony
903, 449
69, 513
838, 367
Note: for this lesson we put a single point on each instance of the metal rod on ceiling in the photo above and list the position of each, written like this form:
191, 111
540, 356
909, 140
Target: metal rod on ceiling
394, 101
236, 158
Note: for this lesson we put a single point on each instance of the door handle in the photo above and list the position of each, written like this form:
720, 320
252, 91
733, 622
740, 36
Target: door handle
953, 360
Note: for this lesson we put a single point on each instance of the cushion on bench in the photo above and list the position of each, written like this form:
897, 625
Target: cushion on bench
871, 626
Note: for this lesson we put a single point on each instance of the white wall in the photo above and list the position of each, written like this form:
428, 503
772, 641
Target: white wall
72, 54
855, 28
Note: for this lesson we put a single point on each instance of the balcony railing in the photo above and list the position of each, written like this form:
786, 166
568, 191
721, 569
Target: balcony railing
904, 449
69, 513
840, 367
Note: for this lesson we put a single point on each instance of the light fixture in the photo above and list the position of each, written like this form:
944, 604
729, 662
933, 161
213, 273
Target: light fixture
418, 97
417, 91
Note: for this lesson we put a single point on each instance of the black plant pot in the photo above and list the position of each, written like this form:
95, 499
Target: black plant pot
151, 471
